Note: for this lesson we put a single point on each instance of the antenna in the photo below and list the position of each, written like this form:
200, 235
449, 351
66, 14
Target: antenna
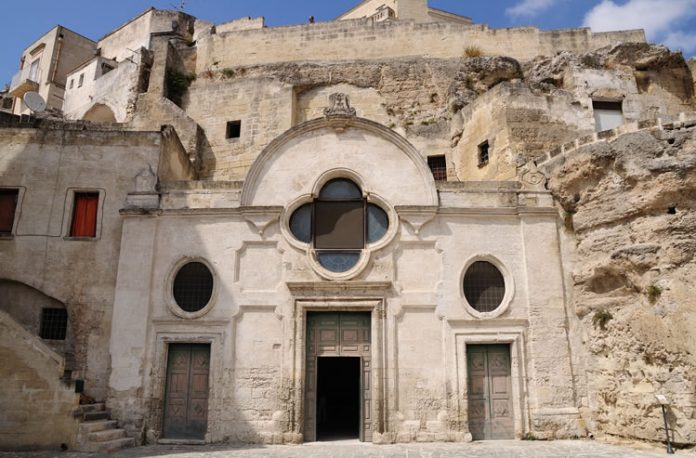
181, 6
34, 102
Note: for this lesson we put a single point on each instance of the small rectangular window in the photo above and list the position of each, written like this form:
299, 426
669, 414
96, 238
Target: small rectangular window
438, 167
607, 115
34, 71
234, 129
7, 103
72, 83
81, 80
54, 324
84, 218
8, 207
483, 153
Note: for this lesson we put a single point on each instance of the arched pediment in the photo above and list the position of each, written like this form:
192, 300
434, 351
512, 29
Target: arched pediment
386, 162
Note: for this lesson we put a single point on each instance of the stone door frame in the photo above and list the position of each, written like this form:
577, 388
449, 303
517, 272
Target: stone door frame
169, 333
512, 332
376, 307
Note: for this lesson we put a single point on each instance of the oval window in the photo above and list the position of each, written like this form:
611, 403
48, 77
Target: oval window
484, 286
193, 286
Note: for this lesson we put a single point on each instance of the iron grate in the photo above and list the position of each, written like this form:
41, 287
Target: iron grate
484, 286
193, 286
54, 324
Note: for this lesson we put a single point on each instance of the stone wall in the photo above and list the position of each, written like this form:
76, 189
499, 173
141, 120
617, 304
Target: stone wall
357, 39
628, 204
36, 404
48, 163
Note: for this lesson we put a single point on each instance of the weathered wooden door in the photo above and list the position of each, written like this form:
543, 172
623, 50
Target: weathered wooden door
338, 334
186, 396
490, 392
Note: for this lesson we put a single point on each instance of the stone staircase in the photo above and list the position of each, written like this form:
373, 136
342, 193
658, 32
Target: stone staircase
98, 432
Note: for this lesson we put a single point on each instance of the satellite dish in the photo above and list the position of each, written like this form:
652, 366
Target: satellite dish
34, 101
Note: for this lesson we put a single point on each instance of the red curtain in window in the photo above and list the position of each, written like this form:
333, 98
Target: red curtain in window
84, 223
8, 204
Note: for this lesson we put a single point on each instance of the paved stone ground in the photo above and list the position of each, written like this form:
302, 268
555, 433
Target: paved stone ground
354, 449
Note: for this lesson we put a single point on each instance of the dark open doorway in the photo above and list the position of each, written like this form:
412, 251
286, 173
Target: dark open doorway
338, 398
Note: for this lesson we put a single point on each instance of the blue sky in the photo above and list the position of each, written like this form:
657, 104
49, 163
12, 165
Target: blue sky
667, 21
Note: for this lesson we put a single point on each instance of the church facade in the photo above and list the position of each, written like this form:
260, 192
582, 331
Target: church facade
397, 226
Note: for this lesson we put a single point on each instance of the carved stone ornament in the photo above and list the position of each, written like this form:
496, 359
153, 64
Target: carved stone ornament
146, 181
339, 105
532, 177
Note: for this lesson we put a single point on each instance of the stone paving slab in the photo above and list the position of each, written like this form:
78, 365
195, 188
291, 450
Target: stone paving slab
354, 449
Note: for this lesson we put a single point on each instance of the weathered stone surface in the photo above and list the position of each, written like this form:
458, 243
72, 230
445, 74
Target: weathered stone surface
630, 203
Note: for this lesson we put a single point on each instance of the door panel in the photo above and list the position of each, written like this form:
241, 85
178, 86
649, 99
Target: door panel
490, 392
338, 334
186, 395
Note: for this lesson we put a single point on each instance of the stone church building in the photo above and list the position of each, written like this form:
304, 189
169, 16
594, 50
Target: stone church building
396, 226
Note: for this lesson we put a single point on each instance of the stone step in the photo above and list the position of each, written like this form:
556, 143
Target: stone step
106, 435
96, 407
111, 446
98, 425
98, 415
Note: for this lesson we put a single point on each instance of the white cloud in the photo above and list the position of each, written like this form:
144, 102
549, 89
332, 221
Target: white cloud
529, 8
657, 17
680, 40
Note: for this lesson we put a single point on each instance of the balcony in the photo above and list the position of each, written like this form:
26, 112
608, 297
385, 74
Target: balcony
24, 81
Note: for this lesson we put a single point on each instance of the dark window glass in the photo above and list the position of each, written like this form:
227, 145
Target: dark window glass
84, 220
338, 261
301, 223
340, 189
234, 129
377, 223
8, 207
54, 324
339, 225
438, 166
193, 286
484, 286
484, 153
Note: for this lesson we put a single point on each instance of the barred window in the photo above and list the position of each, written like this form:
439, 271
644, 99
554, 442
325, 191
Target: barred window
54, 323
438, 167
484, 286
193, 286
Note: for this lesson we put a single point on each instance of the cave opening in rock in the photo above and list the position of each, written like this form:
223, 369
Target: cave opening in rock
338, 398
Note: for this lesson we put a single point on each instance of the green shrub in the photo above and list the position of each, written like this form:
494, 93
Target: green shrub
177, 84
601, 318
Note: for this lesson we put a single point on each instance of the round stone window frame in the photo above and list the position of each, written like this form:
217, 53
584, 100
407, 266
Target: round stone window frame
508, 280
368, 249
169, 294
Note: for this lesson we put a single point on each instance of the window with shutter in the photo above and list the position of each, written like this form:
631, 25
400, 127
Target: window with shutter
84, 221
8, 207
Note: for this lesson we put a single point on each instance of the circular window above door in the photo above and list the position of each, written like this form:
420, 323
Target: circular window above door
486, 287
192, 289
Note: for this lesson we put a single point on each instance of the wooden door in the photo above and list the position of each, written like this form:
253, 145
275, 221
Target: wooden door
186, 396
490, 392
338, 334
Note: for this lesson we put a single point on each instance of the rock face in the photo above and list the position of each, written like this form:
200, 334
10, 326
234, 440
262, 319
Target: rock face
630, 205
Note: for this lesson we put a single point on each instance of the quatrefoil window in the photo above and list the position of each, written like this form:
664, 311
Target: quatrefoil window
339, 224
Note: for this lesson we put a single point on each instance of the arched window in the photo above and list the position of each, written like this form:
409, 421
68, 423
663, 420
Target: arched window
339, 224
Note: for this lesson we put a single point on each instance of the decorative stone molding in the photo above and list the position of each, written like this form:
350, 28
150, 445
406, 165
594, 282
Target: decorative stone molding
169, 289
339, 105
255, 175
532, 178
509, 287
